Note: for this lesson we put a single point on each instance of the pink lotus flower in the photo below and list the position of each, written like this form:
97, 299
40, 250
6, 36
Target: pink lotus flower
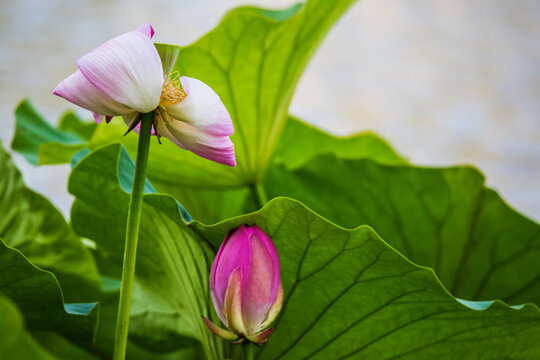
246, 286
130, 75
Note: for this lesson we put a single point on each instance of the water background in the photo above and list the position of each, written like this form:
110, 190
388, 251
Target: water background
445, 82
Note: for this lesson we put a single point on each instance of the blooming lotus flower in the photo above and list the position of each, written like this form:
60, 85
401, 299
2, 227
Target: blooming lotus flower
129, 75
245, 285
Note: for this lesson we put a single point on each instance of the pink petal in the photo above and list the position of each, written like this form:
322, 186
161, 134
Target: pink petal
258, 291
202, 108
216, 148
76, 89
271, 248
217, 286
147, 30
233, 253
128, 69
98, 117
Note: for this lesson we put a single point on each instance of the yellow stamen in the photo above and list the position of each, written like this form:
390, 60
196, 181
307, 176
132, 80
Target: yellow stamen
172, 93
175, 76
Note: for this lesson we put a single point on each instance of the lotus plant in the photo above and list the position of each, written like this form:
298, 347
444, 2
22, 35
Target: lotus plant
246, 286
132, 77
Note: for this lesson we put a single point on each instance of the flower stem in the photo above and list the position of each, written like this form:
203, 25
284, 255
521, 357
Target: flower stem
132, 236
258, 194
247, 350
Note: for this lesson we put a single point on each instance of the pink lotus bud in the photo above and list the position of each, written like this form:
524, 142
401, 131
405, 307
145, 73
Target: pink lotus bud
246, 286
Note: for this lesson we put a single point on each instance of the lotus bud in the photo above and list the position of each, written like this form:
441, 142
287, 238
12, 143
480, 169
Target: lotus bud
245, 285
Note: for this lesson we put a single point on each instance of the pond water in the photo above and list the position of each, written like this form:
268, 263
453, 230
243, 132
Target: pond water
445, 82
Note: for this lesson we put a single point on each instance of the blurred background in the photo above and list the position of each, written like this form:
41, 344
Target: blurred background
445, 82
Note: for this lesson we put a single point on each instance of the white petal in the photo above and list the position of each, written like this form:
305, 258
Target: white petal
147, 30
128, 69
202, 108
216, 148
78, 90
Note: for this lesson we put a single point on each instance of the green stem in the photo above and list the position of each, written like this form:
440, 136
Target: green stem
258, 194
247, 350
132, 236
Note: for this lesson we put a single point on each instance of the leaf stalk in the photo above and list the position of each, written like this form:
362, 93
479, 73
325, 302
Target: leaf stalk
258, 194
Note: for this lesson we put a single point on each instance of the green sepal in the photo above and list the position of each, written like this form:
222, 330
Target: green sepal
222, 333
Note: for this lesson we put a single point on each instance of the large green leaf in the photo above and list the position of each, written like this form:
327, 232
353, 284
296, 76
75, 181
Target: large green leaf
253, 60
171, 290
443, 218
301, 142
298, 143
210, 205
148, 338
40, 143
393, 301
15, 342
18, 343
37, 294
30, 223
350, 295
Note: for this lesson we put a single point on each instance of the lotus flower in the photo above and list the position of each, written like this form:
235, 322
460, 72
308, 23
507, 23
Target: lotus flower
245, 285
129, 75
